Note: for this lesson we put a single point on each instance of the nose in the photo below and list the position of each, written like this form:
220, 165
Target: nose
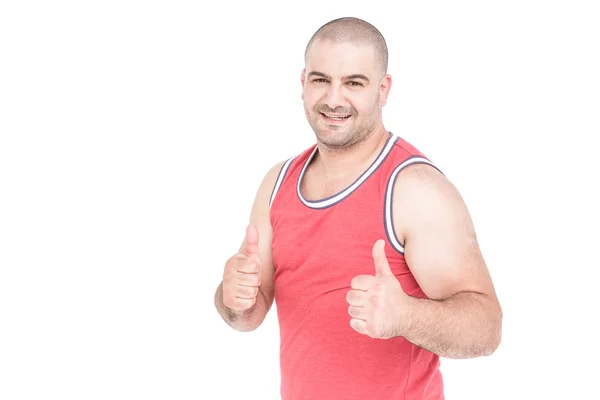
334, 97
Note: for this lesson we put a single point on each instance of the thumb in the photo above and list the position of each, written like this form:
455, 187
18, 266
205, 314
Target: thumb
251, 241
382, 267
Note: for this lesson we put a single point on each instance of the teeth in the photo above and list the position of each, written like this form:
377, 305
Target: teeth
334, 117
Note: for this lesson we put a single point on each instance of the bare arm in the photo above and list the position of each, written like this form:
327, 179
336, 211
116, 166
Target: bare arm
246, 320
462, 317
246, 293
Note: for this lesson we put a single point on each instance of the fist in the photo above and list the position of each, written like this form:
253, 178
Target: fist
377, 303
241, 277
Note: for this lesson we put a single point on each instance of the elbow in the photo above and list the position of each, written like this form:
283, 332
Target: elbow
492, 345
495, 335
248, 326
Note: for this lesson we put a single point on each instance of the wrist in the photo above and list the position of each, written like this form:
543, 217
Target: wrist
407, 315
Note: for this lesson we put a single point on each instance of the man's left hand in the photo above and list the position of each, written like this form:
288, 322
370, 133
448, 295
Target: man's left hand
377, 304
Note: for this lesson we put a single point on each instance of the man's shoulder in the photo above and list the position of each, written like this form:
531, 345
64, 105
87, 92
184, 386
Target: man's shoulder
408, 148
415, 175
278, 170
285, 162
407, 159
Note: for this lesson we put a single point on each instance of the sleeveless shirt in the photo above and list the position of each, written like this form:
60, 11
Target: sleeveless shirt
318, 247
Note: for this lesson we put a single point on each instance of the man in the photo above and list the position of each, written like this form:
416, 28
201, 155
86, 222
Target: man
365, 246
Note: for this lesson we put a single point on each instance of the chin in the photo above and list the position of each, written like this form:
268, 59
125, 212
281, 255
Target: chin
335, 139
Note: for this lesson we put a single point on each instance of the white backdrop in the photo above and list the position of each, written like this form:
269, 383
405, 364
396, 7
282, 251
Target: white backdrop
134, 136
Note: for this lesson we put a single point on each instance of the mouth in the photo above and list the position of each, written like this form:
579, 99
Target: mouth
334, 118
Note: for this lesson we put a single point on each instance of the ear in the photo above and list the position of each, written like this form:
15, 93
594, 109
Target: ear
303, 80
384, 89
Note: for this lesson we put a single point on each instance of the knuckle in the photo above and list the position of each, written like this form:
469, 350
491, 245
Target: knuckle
375, 300
357, 280
244, 304
240, 302
251, 280
250, 291
237, 305
226, 288
229, 281
228, 269
352, 297
361, 281
249, 266
230, 302
232, 263
249, 303
241, 290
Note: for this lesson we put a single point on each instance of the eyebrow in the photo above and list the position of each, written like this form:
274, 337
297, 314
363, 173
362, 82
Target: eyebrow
349, 77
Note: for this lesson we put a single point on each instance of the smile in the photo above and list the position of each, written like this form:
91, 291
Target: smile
332, 117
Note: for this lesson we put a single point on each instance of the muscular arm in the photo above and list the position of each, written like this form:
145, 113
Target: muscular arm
461, 317
251, 318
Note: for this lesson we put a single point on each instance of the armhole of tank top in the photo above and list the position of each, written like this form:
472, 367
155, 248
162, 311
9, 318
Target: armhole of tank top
388, 217
280, 178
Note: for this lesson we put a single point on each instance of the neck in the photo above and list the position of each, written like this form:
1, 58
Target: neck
340, 162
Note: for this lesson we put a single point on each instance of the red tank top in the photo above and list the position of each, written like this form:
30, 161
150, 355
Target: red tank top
318, 247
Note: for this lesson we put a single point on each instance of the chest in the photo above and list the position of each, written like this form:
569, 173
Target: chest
320, 251
316, 187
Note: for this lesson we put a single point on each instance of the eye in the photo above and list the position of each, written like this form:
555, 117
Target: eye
320, 80
353, 83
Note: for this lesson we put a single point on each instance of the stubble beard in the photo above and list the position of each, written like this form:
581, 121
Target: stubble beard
339, 138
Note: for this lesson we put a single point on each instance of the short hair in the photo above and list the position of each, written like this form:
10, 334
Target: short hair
351, 29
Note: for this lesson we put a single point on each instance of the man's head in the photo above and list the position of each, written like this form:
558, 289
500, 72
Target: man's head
345, 82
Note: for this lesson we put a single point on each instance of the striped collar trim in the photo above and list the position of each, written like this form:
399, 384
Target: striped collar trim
336, 198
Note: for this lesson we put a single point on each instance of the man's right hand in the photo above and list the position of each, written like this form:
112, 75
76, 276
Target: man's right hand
241, 278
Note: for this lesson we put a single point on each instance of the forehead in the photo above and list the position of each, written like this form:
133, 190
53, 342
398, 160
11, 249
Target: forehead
341, 58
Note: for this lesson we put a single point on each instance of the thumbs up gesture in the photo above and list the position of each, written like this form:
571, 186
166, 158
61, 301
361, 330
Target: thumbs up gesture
241, 278
377, 303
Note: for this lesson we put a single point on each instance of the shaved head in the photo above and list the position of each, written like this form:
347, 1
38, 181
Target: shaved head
355, 30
